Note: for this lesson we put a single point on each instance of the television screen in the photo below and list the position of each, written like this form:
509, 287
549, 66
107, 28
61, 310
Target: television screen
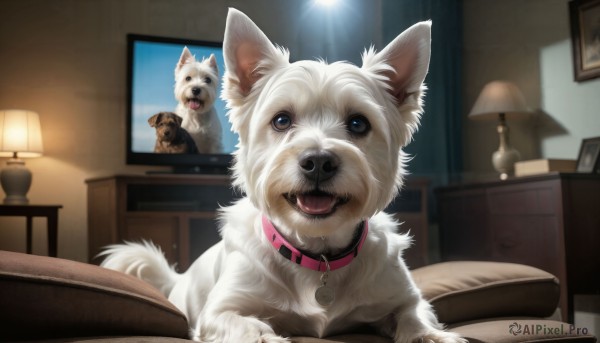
158, 132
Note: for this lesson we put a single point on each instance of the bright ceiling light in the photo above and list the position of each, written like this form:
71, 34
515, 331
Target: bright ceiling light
326, 2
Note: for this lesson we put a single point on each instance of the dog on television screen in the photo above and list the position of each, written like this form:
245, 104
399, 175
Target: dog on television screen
196, 88
171, 138
308, 251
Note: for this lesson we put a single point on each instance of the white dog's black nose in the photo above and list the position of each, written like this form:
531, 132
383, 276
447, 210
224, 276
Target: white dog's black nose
318, 165
196, 90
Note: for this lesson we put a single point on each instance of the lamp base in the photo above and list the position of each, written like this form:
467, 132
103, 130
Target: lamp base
15, 180
506, 156
504, 161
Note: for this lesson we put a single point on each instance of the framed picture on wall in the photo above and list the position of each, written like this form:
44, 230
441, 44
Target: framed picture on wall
585, 38
589, 156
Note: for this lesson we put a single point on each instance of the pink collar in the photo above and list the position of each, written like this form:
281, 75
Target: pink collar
308, 260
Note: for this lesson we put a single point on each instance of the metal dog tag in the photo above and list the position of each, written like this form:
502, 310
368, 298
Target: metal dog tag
325, 295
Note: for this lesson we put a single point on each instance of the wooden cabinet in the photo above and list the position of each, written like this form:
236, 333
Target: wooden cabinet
551, 222
178, 212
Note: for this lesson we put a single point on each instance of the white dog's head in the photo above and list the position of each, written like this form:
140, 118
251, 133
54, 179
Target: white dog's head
196, 82
320, 144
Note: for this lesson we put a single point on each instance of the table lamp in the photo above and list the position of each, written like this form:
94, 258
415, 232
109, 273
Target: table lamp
20, 136
501, 100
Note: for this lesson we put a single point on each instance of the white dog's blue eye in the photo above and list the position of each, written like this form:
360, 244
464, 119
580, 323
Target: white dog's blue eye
282, 121
358, 125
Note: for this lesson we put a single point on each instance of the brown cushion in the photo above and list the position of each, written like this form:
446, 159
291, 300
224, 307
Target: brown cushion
461, 291
520, 330
355, 338
115, 339
43, 297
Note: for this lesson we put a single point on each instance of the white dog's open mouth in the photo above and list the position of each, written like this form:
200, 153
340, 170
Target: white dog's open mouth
316, 203
194, 103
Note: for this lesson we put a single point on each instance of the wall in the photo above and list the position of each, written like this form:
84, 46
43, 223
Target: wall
573, 109
527, 42
65, 59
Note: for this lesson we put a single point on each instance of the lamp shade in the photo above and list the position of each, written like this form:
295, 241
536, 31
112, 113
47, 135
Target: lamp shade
20, 132
499, 97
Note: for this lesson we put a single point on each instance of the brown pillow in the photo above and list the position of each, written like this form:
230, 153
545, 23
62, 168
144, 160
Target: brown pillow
461, 291
44, 297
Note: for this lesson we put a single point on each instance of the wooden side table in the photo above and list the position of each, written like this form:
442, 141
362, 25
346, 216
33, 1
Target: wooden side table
30, 211
549, 221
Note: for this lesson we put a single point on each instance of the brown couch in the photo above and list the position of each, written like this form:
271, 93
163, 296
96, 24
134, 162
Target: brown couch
55, 300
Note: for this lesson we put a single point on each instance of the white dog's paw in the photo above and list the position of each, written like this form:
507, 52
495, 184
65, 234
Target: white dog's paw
266, 338
253, 336
439, 336
230, 327
270, 338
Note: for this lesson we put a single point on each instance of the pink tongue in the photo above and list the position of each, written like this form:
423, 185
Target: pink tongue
316, 204
194, 104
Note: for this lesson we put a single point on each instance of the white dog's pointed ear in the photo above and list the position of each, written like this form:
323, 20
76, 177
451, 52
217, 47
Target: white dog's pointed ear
247, 52
408, 56
212, 62
186, 57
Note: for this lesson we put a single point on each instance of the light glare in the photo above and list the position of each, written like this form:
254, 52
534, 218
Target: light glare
326, 2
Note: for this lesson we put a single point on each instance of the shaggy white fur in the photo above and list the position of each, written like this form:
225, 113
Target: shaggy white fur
196, 84
319, 152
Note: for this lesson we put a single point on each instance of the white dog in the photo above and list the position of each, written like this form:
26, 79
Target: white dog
308, 251
196, 84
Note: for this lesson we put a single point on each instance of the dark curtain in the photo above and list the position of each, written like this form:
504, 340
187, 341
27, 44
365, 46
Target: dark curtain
437, 146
